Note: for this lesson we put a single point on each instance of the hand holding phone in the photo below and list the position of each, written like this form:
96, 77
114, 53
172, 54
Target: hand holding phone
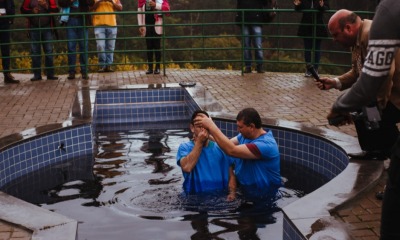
311, 69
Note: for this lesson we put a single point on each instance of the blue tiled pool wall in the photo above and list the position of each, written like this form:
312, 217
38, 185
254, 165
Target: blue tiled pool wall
43, 150
125, 110
27, 187
139, 105
290, 232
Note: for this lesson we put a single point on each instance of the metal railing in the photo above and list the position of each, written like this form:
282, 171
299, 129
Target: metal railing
191, 39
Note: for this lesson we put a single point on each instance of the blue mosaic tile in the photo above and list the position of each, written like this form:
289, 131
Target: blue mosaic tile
41, 151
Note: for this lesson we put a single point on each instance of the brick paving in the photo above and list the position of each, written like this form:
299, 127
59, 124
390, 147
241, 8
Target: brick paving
287, 96
11, 232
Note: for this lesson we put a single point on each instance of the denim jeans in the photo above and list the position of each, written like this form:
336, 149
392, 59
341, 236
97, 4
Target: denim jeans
42, 38
105, 39
308, 45
5, 46
77, 35
252, 35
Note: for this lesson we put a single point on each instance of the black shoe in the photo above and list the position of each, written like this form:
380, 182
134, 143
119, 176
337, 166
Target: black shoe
36, 78
52, 78
85, 76
260, 70
157, 71
247, 70
8, 78
365, 155
101, 69
149, 71
71, 76
108, 69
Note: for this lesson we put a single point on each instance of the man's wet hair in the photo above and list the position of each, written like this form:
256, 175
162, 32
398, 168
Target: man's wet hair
249, 116
197, 112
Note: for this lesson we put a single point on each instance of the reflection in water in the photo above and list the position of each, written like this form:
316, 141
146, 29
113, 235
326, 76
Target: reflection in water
134, 188
240, 217
157, 145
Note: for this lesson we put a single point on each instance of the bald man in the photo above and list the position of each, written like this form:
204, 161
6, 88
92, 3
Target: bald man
349, 30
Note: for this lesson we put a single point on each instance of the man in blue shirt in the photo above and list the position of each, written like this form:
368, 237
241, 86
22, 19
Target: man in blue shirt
258, 170
204, 165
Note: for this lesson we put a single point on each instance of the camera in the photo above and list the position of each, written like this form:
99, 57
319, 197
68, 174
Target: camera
370, 116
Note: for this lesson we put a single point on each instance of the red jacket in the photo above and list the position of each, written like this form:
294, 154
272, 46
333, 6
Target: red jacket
28, 6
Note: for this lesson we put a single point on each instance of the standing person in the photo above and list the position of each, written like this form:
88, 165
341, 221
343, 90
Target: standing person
307, 29
150, 26
7, 8
204, 166
77, 33
252, 33
41, 35
105, 31
384, 42
258, 170
351, 31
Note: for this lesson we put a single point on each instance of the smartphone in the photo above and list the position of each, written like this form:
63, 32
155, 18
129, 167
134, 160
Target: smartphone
311, 69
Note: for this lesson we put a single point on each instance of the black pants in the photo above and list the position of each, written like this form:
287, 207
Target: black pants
390, 228
383, 138
5, 46
153, 43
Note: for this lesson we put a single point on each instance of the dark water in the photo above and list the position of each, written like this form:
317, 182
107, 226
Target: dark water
132, 190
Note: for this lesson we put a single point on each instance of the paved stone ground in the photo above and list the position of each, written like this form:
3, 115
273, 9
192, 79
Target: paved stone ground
288, 96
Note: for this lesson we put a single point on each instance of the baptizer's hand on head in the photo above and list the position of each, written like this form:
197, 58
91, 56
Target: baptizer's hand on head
204, 121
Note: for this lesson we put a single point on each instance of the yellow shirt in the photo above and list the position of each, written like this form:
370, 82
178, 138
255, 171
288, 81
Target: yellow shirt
105, 19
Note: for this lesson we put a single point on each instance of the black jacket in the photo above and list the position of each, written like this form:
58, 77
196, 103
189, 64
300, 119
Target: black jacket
308, 18
249, 17
10, 10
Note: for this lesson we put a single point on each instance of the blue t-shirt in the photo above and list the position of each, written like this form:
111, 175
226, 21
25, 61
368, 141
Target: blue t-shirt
211, 171
260, 174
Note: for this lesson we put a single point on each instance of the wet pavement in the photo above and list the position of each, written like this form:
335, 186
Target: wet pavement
288, 96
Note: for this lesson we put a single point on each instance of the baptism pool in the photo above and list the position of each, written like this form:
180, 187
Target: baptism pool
122, 112
134, 187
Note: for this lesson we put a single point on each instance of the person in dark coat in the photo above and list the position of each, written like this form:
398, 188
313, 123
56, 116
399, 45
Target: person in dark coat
306, 29
40, 31
7, 8
77, 34
252, 33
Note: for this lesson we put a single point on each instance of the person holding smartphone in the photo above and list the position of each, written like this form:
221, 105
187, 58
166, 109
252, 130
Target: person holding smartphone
312, 35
